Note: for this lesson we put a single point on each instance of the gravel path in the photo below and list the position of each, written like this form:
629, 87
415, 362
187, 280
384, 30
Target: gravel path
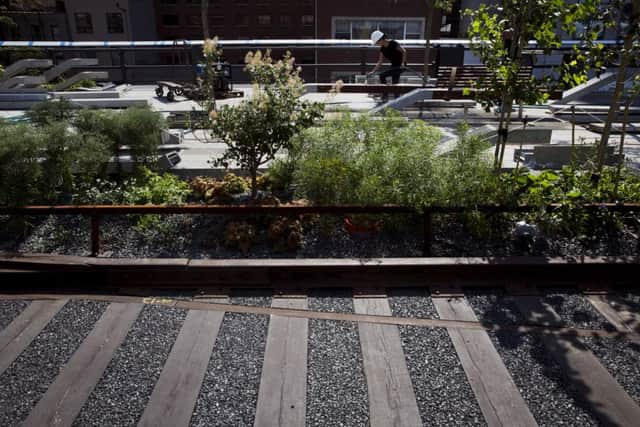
127, 383
336, 385
442, 391
229, 392
28, 378
537, 375
9, 310
618, 355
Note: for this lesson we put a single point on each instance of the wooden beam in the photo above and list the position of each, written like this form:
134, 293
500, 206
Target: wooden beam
24, 328
615, 312
392, 401
64, 398
283, 385
497, 395
608, 400
175, 394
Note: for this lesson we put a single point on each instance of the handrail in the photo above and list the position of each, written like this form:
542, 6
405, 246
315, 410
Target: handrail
95, 212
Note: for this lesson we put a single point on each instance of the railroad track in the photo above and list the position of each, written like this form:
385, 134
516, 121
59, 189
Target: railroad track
453, 346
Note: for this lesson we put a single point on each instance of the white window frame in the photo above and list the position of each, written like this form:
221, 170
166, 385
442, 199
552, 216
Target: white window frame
404, 19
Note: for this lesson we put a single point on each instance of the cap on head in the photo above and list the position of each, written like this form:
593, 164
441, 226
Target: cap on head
376, 36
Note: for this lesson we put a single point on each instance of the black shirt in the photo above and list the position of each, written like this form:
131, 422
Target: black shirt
393, 53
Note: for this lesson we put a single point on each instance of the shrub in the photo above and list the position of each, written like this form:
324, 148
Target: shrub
212, 191
286, 234
240, 235
139, 128
20, 170
363, 160
50, 112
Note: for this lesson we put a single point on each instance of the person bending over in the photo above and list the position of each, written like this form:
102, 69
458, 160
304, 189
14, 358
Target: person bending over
391, 50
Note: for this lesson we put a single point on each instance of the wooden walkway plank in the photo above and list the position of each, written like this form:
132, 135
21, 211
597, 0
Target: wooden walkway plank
175, 394
64, 398
597, 387
616, 314
392, 401
497, 395
283, 385
24, 328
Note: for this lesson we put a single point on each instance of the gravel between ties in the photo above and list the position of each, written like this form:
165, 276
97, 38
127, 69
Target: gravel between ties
336, 385
9, 310
29, 377
536, 374
126, 385
618, 355
442, 391
229, 392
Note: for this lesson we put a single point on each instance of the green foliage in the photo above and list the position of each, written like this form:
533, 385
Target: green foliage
20, 170
86, 84
50, 112
499, 33
257, 128
570, 188
148, 188
139, 128
40, 163
362, 160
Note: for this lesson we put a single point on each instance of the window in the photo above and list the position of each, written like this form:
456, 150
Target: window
83, 23
240, 2
262, 3
264, 19
307, 20
361, 28
115, 23
194, 1
285, 20
168, 1
170, 20
241, 20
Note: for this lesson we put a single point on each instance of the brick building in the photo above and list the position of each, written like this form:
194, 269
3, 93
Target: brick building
305, 19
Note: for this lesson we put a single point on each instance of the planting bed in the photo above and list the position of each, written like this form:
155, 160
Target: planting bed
200, 236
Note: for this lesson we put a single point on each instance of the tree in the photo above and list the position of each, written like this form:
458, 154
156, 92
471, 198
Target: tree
259, 127
623, 17
499, 35
431, 5
204, 11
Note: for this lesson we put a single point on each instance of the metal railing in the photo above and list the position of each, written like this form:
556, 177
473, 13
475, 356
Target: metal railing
126, 68
96, 212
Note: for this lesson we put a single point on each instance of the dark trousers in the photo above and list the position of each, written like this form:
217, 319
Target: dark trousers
394, 72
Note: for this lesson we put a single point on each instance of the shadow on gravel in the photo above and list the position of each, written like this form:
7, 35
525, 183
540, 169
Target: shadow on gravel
543, 365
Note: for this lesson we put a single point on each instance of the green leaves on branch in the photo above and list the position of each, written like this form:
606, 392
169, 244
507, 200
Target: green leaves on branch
259, 127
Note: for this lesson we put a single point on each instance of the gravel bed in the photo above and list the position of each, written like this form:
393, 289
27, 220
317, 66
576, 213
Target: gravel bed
229, 392
336, 384
200, 237
29, 377
618, 355
574, 310
9, 310
442, 391
539, 378
126, 385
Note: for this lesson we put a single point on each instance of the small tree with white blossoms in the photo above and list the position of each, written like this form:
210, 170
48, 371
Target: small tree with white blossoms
261, 126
